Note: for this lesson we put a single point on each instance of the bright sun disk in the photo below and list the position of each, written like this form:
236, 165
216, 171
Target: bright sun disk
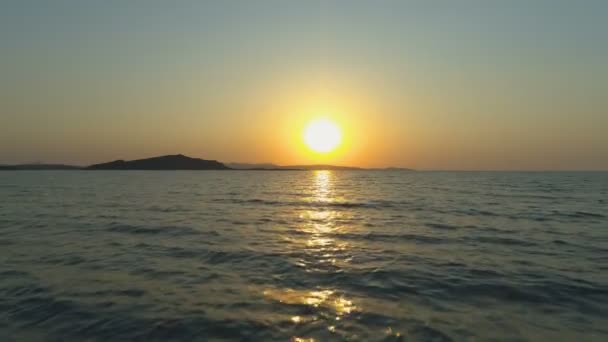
322, 135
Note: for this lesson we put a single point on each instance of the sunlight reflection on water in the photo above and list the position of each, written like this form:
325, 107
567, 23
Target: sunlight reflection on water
329, 300
323, 181
322, 252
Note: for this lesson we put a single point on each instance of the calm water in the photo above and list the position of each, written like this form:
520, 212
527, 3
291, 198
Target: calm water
304, 256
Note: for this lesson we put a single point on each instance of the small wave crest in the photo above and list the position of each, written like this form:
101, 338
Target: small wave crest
145, 230
374, 204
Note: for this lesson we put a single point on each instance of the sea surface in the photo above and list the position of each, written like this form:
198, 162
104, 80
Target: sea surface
303, 256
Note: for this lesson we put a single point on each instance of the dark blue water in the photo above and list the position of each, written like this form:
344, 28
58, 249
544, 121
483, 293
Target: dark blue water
303, 256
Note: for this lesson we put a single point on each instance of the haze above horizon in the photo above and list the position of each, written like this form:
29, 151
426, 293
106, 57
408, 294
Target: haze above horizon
471, 85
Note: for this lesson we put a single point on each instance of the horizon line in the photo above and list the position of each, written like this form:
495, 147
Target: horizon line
253, 165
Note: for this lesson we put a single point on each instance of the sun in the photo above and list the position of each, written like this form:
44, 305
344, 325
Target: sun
322, 135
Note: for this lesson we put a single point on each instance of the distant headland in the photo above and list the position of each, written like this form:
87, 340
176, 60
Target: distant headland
39, 166
182, 162
171, 162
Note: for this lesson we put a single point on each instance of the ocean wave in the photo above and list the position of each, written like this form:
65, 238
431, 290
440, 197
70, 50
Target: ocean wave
62, 319
389, 237
441, 226
374, 204
578, 214
151, 230
503, 241
423, 256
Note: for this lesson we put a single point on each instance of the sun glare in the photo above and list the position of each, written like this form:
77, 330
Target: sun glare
322, 135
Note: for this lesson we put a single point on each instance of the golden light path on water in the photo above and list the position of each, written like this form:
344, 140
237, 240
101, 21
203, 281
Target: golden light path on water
322, 254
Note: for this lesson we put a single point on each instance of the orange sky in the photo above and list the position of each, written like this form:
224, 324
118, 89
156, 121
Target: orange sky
453, 86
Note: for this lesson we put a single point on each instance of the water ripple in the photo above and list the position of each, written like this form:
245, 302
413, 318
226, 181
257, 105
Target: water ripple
303, 256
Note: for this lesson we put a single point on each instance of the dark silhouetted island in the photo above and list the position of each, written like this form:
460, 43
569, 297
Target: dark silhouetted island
182, 162
171, 162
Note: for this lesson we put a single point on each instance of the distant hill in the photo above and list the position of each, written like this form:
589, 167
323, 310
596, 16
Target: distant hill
392, 169
270, 166
323, 167
170, 162
181, 162
39, 167
256, 166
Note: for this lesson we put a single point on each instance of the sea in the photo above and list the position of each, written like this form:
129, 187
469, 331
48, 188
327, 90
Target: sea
303, 256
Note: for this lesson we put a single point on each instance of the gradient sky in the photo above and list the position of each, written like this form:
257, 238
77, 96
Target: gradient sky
422, 84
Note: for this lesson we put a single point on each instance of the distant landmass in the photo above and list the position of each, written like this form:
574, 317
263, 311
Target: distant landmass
171, 162
391, 169
324, 167
270, 166
255, 166
39, 167
182, 162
